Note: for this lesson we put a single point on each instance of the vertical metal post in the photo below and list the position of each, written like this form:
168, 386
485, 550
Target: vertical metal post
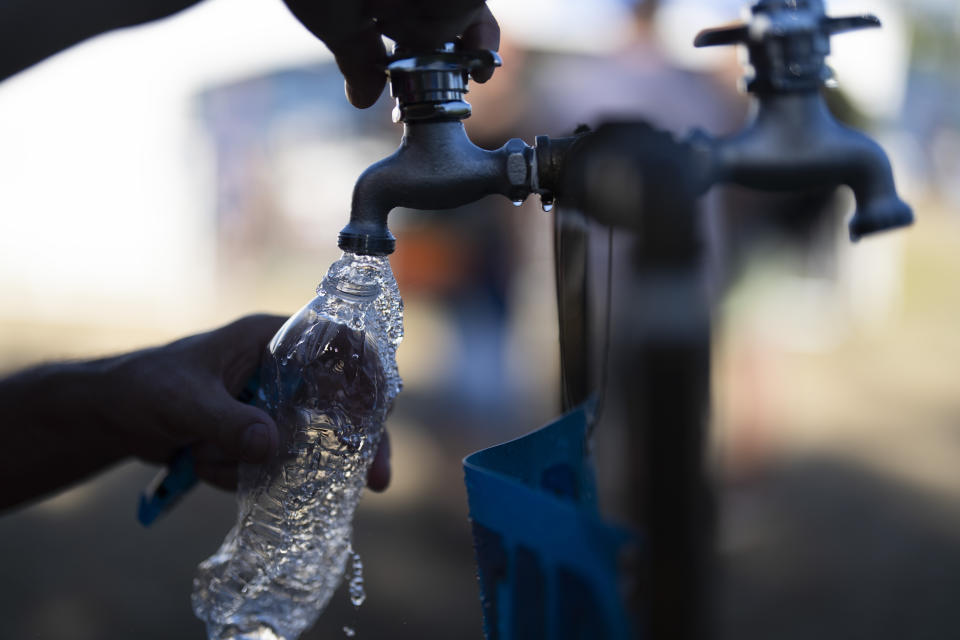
635, 178
664, 379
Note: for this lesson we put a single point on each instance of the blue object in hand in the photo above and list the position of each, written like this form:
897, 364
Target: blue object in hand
173, 482
167, 487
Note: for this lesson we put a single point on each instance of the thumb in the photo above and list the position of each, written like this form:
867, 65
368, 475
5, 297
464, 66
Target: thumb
242, 431
236, 348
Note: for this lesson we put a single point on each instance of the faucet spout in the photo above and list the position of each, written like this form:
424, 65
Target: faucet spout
436, 167
794, 143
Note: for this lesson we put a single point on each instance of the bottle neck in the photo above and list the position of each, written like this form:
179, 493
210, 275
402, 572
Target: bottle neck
352, 290
356, 281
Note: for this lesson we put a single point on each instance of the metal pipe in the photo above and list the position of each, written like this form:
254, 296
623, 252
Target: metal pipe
633, 177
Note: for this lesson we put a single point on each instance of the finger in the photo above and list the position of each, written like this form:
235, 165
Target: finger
209, 453
241, 431
484, 33
239, 346
429, 26
223, 476
426, 24
362, 60
378, 475
352, 35
252, 330
454, 14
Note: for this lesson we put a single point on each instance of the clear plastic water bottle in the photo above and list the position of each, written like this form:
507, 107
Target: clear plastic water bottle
328, 380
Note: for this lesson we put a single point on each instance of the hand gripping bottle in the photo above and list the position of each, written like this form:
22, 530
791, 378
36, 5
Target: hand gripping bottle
328, 380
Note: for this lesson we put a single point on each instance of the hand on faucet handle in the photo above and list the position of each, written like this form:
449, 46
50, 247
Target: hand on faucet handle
353, 32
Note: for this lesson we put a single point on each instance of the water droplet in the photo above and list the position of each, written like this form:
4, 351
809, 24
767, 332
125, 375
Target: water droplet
547, 206
357, 592
349, 631
517, 203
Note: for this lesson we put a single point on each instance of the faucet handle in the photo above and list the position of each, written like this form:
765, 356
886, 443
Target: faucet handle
833, 26
787, 42
429, 85
720, 36
745, 33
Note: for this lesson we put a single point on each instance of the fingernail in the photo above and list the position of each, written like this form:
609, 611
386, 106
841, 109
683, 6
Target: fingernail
255, 444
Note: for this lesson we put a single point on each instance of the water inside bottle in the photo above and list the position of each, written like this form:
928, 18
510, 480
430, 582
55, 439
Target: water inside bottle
328, 381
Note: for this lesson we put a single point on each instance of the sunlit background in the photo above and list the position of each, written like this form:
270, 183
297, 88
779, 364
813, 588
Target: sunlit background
166, 179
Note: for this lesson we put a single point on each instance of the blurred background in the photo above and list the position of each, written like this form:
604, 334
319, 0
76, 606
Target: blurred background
163, 180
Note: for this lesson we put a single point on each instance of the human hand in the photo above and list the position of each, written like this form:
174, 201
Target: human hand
185, 393
352, 30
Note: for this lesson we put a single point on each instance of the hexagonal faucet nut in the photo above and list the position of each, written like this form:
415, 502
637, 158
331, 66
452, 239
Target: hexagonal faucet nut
517, 169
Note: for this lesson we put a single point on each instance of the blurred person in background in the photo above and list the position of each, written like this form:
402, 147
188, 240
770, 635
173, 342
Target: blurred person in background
74, 419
